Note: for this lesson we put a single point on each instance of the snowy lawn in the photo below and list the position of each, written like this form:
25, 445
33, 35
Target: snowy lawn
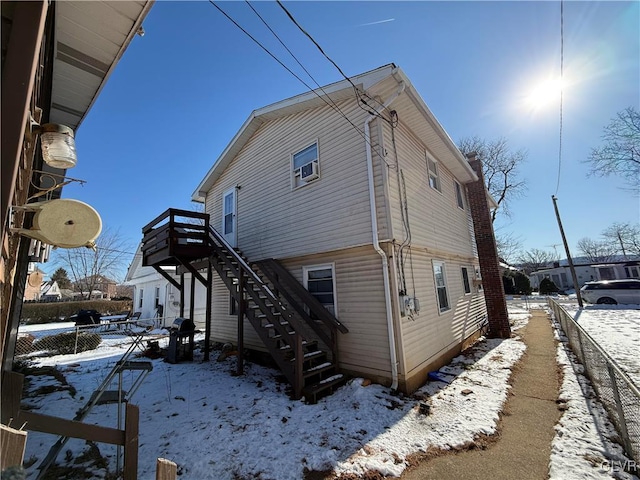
616, 328
217, 426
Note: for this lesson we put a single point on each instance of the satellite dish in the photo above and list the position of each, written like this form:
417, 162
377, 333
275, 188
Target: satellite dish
64, 223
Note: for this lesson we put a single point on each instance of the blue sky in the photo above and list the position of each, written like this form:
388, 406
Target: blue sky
182, 91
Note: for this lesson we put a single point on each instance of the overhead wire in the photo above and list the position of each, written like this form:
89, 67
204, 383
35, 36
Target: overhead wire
355, 88
561, 91
302, 81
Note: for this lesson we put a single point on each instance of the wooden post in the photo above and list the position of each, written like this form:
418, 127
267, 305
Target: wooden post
13, 444
11, 395
207, 327
192, 297
166, 469
299, 366
241, 310
131, 419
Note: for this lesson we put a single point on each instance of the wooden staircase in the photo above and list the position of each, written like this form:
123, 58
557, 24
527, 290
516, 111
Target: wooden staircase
299, 333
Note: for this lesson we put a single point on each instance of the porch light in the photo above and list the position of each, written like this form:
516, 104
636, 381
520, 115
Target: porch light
58, 145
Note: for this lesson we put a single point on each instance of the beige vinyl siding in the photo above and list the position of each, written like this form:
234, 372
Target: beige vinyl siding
330, 213
432, 332
360, 302
434, 217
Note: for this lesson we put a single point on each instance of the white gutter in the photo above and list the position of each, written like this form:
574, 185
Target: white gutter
376, 243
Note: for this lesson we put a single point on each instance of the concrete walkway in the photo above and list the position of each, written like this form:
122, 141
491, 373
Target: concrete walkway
522, 447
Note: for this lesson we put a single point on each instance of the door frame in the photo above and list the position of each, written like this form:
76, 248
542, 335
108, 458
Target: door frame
232, 239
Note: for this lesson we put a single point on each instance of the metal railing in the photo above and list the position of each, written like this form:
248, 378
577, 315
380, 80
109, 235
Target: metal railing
42, 340
616, 391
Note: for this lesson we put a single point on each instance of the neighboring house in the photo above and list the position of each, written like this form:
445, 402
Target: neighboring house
151, 290
50, 292
101, 287
372, 215
561, 275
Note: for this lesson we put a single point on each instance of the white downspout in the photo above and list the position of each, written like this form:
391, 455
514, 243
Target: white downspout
376, 244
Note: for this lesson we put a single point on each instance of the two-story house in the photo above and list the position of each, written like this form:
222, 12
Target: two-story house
362, 196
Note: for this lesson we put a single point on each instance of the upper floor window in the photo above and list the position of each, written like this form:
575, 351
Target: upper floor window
459, 194
434, 177
305, 165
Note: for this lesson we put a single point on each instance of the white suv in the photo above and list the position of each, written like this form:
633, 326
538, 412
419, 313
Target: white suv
612, 292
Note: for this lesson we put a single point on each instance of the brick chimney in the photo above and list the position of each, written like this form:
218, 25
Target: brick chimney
488, 254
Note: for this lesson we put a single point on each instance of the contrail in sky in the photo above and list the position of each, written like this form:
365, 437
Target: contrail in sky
378, 22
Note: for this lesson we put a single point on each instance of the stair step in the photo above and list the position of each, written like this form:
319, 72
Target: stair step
110, 396
323, 367
264, 315
255, 307
310, 355
306, 344
327, 385
132, 365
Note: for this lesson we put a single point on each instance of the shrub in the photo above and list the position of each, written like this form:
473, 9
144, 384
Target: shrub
47, 312
547, 286
65, 343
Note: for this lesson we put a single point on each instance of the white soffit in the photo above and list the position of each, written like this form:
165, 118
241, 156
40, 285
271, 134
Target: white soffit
90, 39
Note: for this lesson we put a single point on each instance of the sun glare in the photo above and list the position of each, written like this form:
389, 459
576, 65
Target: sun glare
545, 93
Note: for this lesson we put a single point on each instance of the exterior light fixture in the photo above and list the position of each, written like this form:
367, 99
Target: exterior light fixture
57, 142
58, 145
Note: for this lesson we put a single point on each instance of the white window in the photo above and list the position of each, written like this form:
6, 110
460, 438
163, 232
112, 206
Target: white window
305, 166
632, 272
440, 278
141, 295
434, 178
459, 194
320, 281
465, 280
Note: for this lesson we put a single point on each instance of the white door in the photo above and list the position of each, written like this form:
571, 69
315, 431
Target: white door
229, 220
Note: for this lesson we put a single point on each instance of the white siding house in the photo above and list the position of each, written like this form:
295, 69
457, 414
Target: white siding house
370, 214
151, 290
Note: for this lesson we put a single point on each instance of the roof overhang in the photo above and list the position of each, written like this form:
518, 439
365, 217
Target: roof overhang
90, 39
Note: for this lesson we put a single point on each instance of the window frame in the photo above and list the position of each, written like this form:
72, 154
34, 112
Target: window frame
466, 285
157, 297
442, 264
296, 173
433, 175
459, 192
323, 266
140, 300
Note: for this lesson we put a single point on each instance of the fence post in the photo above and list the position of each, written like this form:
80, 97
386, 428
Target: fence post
131, 418
166, 469
75, 349
621, 419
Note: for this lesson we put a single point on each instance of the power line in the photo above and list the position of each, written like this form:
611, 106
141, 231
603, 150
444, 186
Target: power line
334, 63
561, 90
302, 81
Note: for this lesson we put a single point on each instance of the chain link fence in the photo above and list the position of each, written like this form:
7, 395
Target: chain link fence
617, 392
65, 338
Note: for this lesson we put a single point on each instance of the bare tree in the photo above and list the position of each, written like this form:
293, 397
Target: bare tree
508, 245
620, 152
88, 268
595, 251
624, 238
535, 259
500, 167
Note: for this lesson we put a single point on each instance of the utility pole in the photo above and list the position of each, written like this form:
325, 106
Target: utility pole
566, 249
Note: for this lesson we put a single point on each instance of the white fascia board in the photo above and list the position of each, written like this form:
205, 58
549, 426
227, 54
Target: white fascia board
437, 127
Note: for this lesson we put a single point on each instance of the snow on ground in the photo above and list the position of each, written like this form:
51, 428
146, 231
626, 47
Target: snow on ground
218, 426
616, 328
